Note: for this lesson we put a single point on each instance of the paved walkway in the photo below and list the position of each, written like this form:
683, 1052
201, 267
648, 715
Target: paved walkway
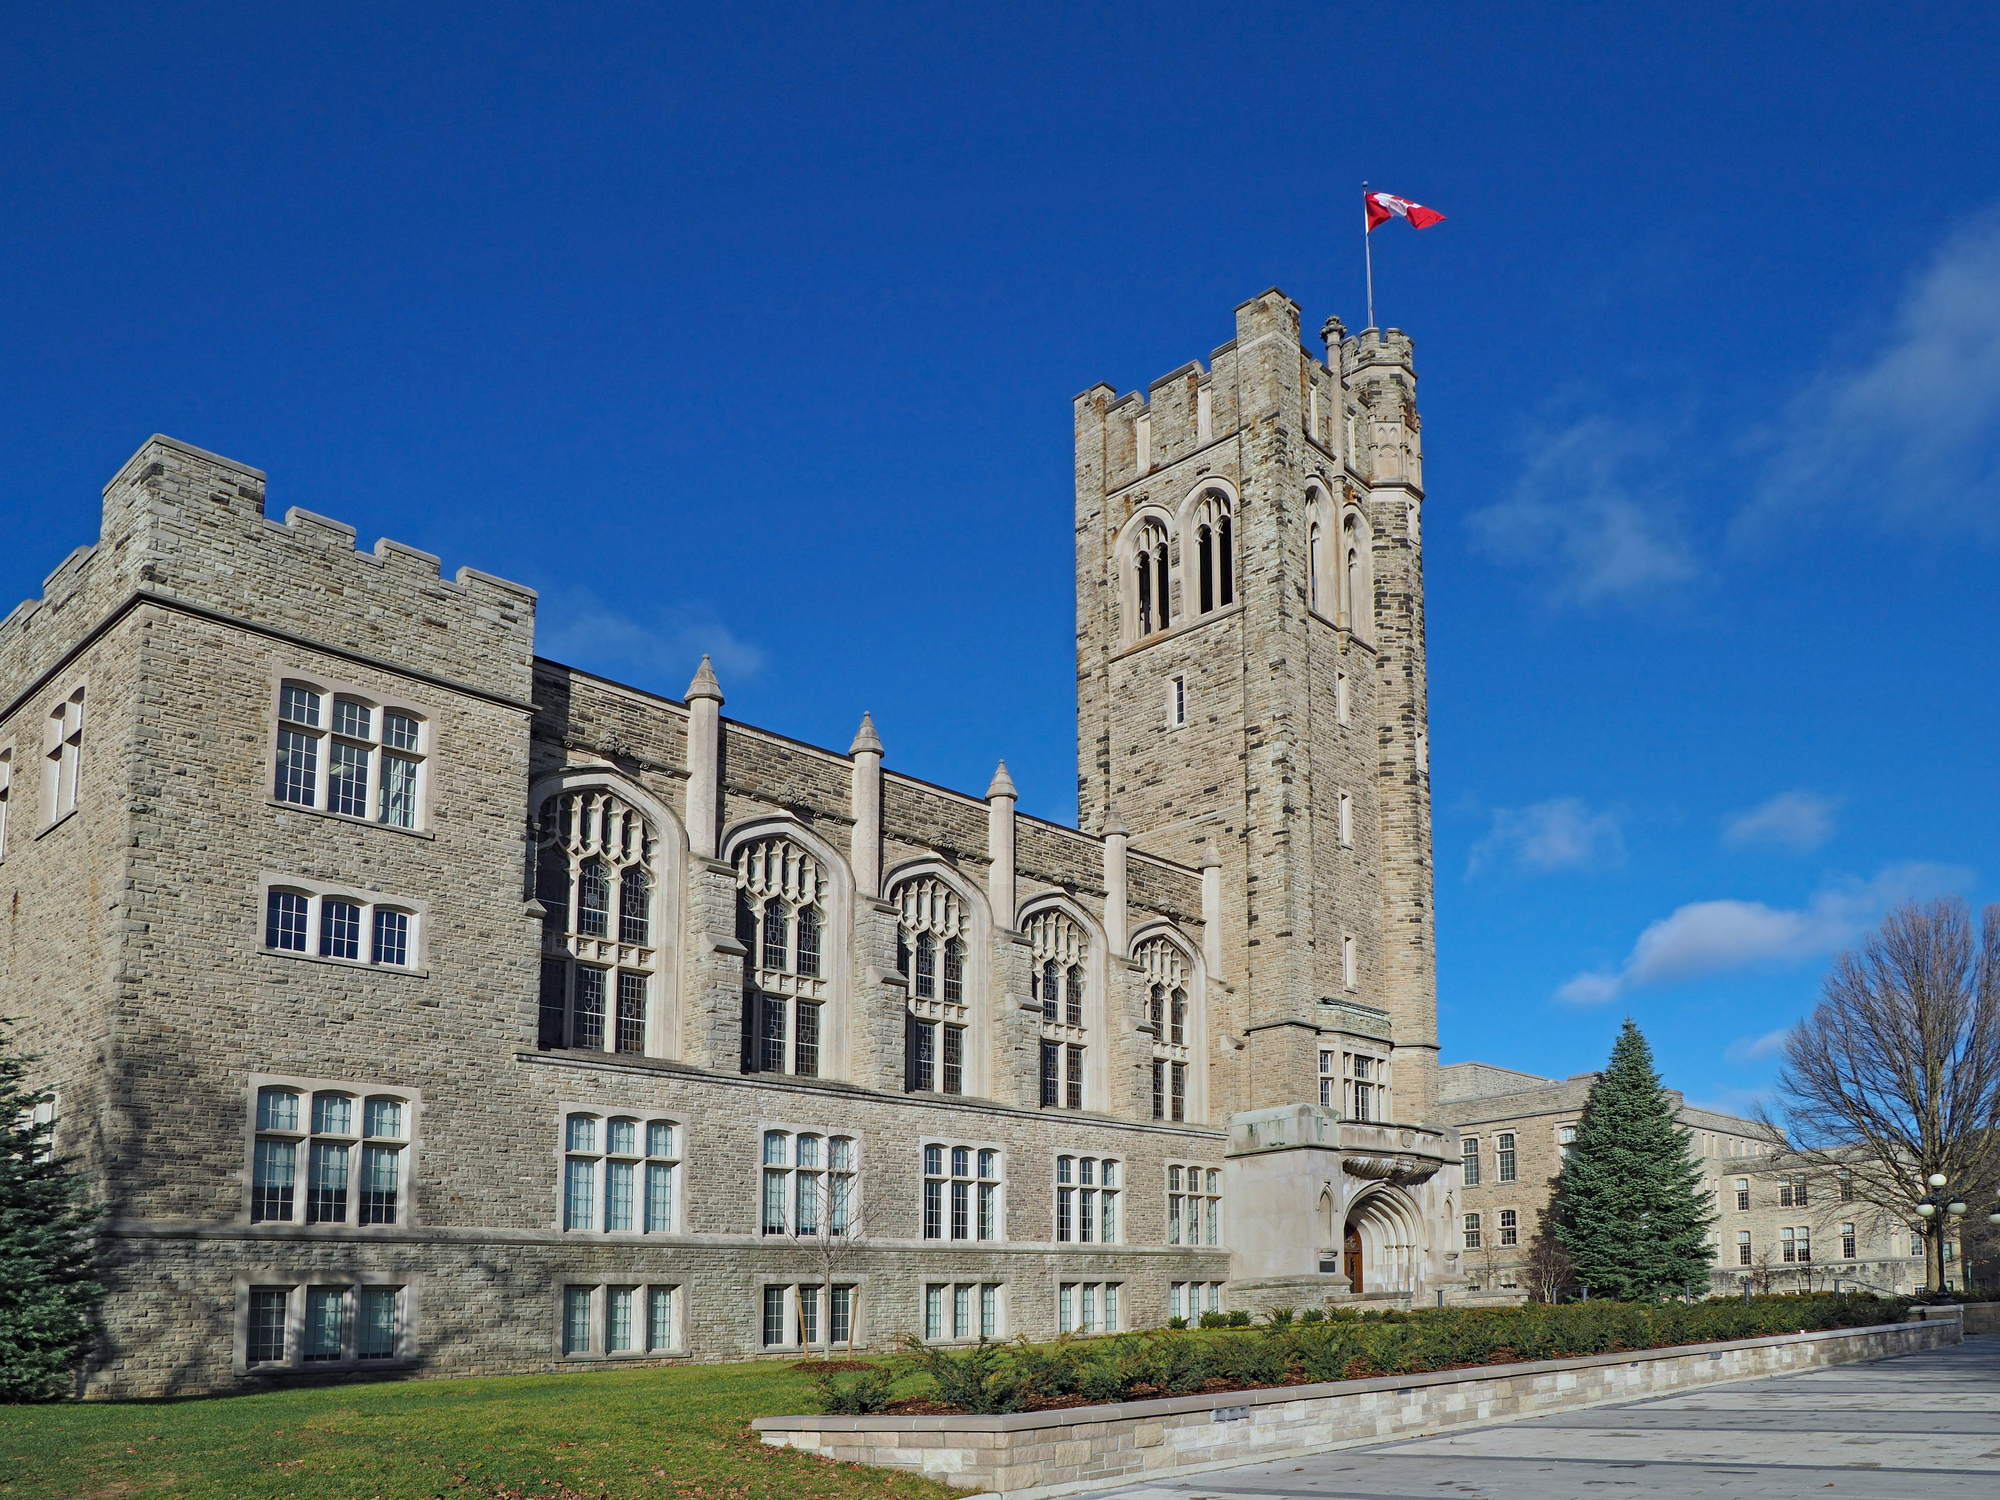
1918, 1427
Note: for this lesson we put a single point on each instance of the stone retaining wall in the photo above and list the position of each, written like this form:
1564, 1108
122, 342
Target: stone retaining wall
1034, 1454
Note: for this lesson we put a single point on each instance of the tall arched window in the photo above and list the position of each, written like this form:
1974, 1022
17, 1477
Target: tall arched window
1152, 580
780, 916
1313, 544
1356, 587
931, 930
1215, 553
1060, 950
598, 967
1170, 1020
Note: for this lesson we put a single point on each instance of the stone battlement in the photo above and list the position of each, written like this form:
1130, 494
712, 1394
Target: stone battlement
188, 527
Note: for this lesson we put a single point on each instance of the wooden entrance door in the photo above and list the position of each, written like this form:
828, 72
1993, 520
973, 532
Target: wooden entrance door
1351, 1258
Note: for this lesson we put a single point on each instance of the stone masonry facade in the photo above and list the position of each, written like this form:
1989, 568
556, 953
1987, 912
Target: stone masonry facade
420, 1005
1777, 1229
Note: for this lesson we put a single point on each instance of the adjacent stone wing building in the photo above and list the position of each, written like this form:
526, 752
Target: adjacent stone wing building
417, 1004
1778, 1228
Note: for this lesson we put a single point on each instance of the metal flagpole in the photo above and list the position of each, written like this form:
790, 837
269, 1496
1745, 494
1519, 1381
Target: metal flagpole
1368, 253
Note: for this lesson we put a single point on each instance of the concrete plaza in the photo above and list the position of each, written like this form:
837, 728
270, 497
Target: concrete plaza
1911, 1428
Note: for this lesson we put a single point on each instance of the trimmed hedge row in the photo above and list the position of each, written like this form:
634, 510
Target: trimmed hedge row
995, 1378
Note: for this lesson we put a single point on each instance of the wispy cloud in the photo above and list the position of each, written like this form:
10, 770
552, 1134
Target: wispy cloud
656, 648
1591, 515
1913, 430
1801, 821
1561, 834
1908, 430
1712, 937
1756, 1048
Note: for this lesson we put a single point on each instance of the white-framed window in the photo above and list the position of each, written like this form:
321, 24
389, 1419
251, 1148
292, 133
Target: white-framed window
1742, 1247
1468, 1148
327, 1152
1510, 1226
1059, 951
931, 954
1504, 1157
964, 1192
961, 1311
597, 879
310, 1324
351, 754
1795, 1243
1565, 1140
6, 793
1356, 1084
621, 1172
342, 924
1742, 1191
1190, 1299
1847, 1241
781, 905
1176, 701
802, 1315
1472, 1231
1087, 1200
1792, 1192
622, 1321
1215, 553
1088, 1306
1194, 1204
1347, 829
808, 1184
62, 758
1170, 1021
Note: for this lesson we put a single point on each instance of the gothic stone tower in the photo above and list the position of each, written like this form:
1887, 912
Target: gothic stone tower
1250, 692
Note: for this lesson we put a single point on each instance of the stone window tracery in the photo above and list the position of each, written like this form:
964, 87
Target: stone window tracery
1215, 553
1168, 1019
931, 931
1059, 950
594, 866
1153, 579
781, 894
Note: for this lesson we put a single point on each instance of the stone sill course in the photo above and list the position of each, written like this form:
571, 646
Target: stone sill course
1039, 1454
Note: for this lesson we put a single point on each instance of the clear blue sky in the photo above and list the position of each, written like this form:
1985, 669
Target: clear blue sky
754, 330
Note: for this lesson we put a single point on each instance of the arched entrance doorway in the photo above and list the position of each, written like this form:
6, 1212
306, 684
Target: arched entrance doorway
1383, 1242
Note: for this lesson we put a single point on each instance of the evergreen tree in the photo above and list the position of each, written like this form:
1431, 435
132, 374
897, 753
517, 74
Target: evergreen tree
1630, 1207
48, 1256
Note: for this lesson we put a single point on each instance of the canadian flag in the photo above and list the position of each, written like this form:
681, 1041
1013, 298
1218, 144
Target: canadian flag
1384, 206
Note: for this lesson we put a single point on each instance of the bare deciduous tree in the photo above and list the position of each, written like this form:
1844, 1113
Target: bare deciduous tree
836, 1231
1896, 1074
1548, 1267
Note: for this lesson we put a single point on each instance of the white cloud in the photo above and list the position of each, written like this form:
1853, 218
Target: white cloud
1914, 431
660, 650
1561, 834
1592, 514
1712, 937
1756, 1048
1791, 820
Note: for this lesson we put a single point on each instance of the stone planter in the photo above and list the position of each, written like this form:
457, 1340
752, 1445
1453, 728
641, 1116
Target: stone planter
1034, 1454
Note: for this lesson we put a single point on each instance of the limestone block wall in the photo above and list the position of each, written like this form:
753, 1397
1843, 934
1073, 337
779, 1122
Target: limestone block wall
1037, 1454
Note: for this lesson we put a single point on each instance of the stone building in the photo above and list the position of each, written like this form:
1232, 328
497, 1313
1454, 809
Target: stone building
1777, 1228
420, 1005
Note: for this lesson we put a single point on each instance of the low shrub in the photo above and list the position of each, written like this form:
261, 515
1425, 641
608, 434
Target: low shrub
865, 1394
1288, 1349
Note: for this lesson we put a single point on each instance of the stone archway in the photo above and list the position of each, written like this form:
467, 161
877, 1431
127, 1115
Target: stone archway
1386, 1230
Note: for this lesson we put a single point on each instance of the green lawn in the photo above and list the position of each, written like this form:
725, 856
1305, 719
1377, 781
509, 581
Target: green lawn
678, 1434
